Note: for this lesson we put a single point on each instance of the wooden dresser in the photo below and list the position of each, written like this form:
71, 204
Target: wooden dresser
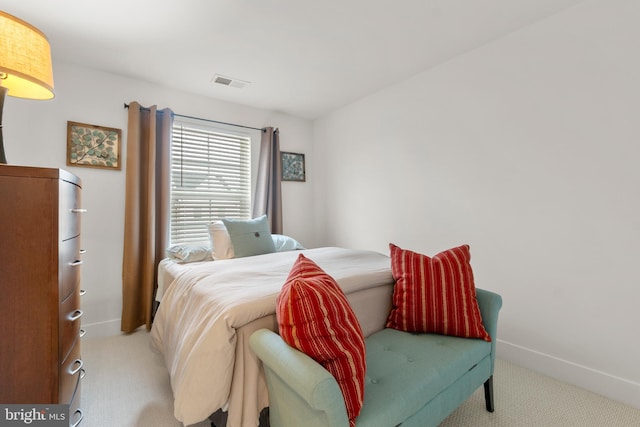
40, 258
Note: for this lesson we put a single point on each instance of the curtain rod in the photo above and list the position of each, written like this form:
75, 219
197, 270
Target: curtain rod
126, 106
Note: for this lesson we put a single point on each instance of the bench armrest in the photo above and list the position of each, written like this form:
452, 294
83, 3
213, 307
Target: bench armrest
490, 304
301, 391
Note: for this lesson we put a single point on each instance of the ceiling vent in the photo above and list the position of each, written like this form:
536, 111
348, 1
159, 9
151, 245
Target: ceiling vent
229, 81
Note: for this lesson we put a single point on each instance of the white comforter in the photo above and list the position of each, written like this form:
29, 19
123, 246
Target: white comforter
195, 325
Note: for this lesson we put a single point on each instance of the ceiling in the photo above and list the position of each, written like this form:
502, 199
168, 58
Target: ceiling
301, 57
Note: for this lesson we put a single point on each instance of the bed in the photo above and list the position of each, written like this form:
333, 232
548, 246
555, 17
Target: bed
209, 309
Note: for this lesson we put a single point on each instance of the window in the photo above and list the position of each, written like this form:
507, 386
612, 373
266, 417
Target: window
210, 179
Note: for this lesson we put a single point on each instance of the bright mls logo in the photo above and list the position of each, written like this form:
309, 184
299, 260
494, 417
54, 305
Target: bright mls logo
34, 415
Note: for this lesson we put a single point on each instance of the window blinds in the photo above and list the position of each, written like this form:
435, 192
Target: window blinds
210, 179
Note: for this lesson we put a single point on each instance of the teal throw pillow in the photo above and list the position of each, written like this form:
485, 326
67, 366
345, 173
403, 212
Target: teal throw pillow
250, 236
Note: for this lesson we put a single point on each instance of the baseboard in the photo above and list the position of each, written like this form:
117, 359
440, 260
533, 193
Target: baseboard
599, 382
102, 329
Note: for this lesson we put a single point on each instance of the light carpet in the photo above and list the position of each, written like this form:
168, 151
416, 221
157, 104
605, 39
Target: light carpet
127, 385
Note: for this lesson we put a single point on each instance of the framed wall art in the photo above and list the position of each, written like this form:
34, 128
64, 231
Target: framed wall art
93, 146
292, 166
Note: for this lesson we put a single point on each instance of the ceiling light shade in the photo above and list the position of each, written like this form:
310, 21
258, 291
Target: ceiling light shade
25, 59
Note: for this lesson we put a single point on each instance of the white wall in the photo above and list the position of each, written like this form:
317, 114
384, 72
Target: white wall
527, 149
35, 135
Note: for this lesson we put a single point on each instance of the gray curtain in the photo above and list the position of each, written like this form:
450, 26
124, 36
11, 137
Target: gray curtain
268, 197
146, 222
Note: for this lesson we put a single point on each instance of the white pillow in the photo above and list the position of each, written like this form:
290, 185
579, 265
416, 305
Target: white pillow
285, 243
221, 247
184, 253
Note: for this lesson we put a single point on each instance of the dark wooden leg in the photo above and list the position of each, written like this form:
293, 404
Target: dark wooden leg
218, 418
264, 418
488, 393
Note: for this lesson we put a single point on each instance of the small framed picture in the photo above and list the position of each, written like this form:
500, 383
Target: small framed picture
292, 166
93, 146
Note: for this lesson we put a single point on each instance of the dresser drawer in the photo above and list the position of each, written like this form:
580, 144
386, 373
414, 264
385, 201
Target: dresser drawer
70, 210
75, 412
70, 371
70, 315
70, 263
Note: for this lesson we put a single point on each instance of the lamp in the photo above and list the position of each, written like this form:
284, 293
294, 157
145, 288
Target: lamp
25, 64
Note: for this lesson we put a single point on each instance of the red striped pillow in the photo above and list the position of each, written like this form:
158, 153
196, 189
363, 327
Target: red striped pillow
314, 317
435, 294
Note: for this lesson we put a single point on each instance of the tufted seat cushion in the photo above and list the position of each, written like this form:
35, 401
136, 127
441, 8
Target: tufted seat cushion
401, 366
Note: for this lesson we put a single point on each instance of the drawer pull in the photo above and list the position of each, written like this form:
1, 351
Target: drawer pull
76, 263
82, 332
74, 371
82, 292
83, 251
77, 423
75, 315
76, 210
82, 373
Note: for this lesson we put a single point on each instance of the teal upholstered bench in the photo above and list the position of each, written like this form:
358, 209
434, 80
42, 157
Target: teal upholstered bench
412, 379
